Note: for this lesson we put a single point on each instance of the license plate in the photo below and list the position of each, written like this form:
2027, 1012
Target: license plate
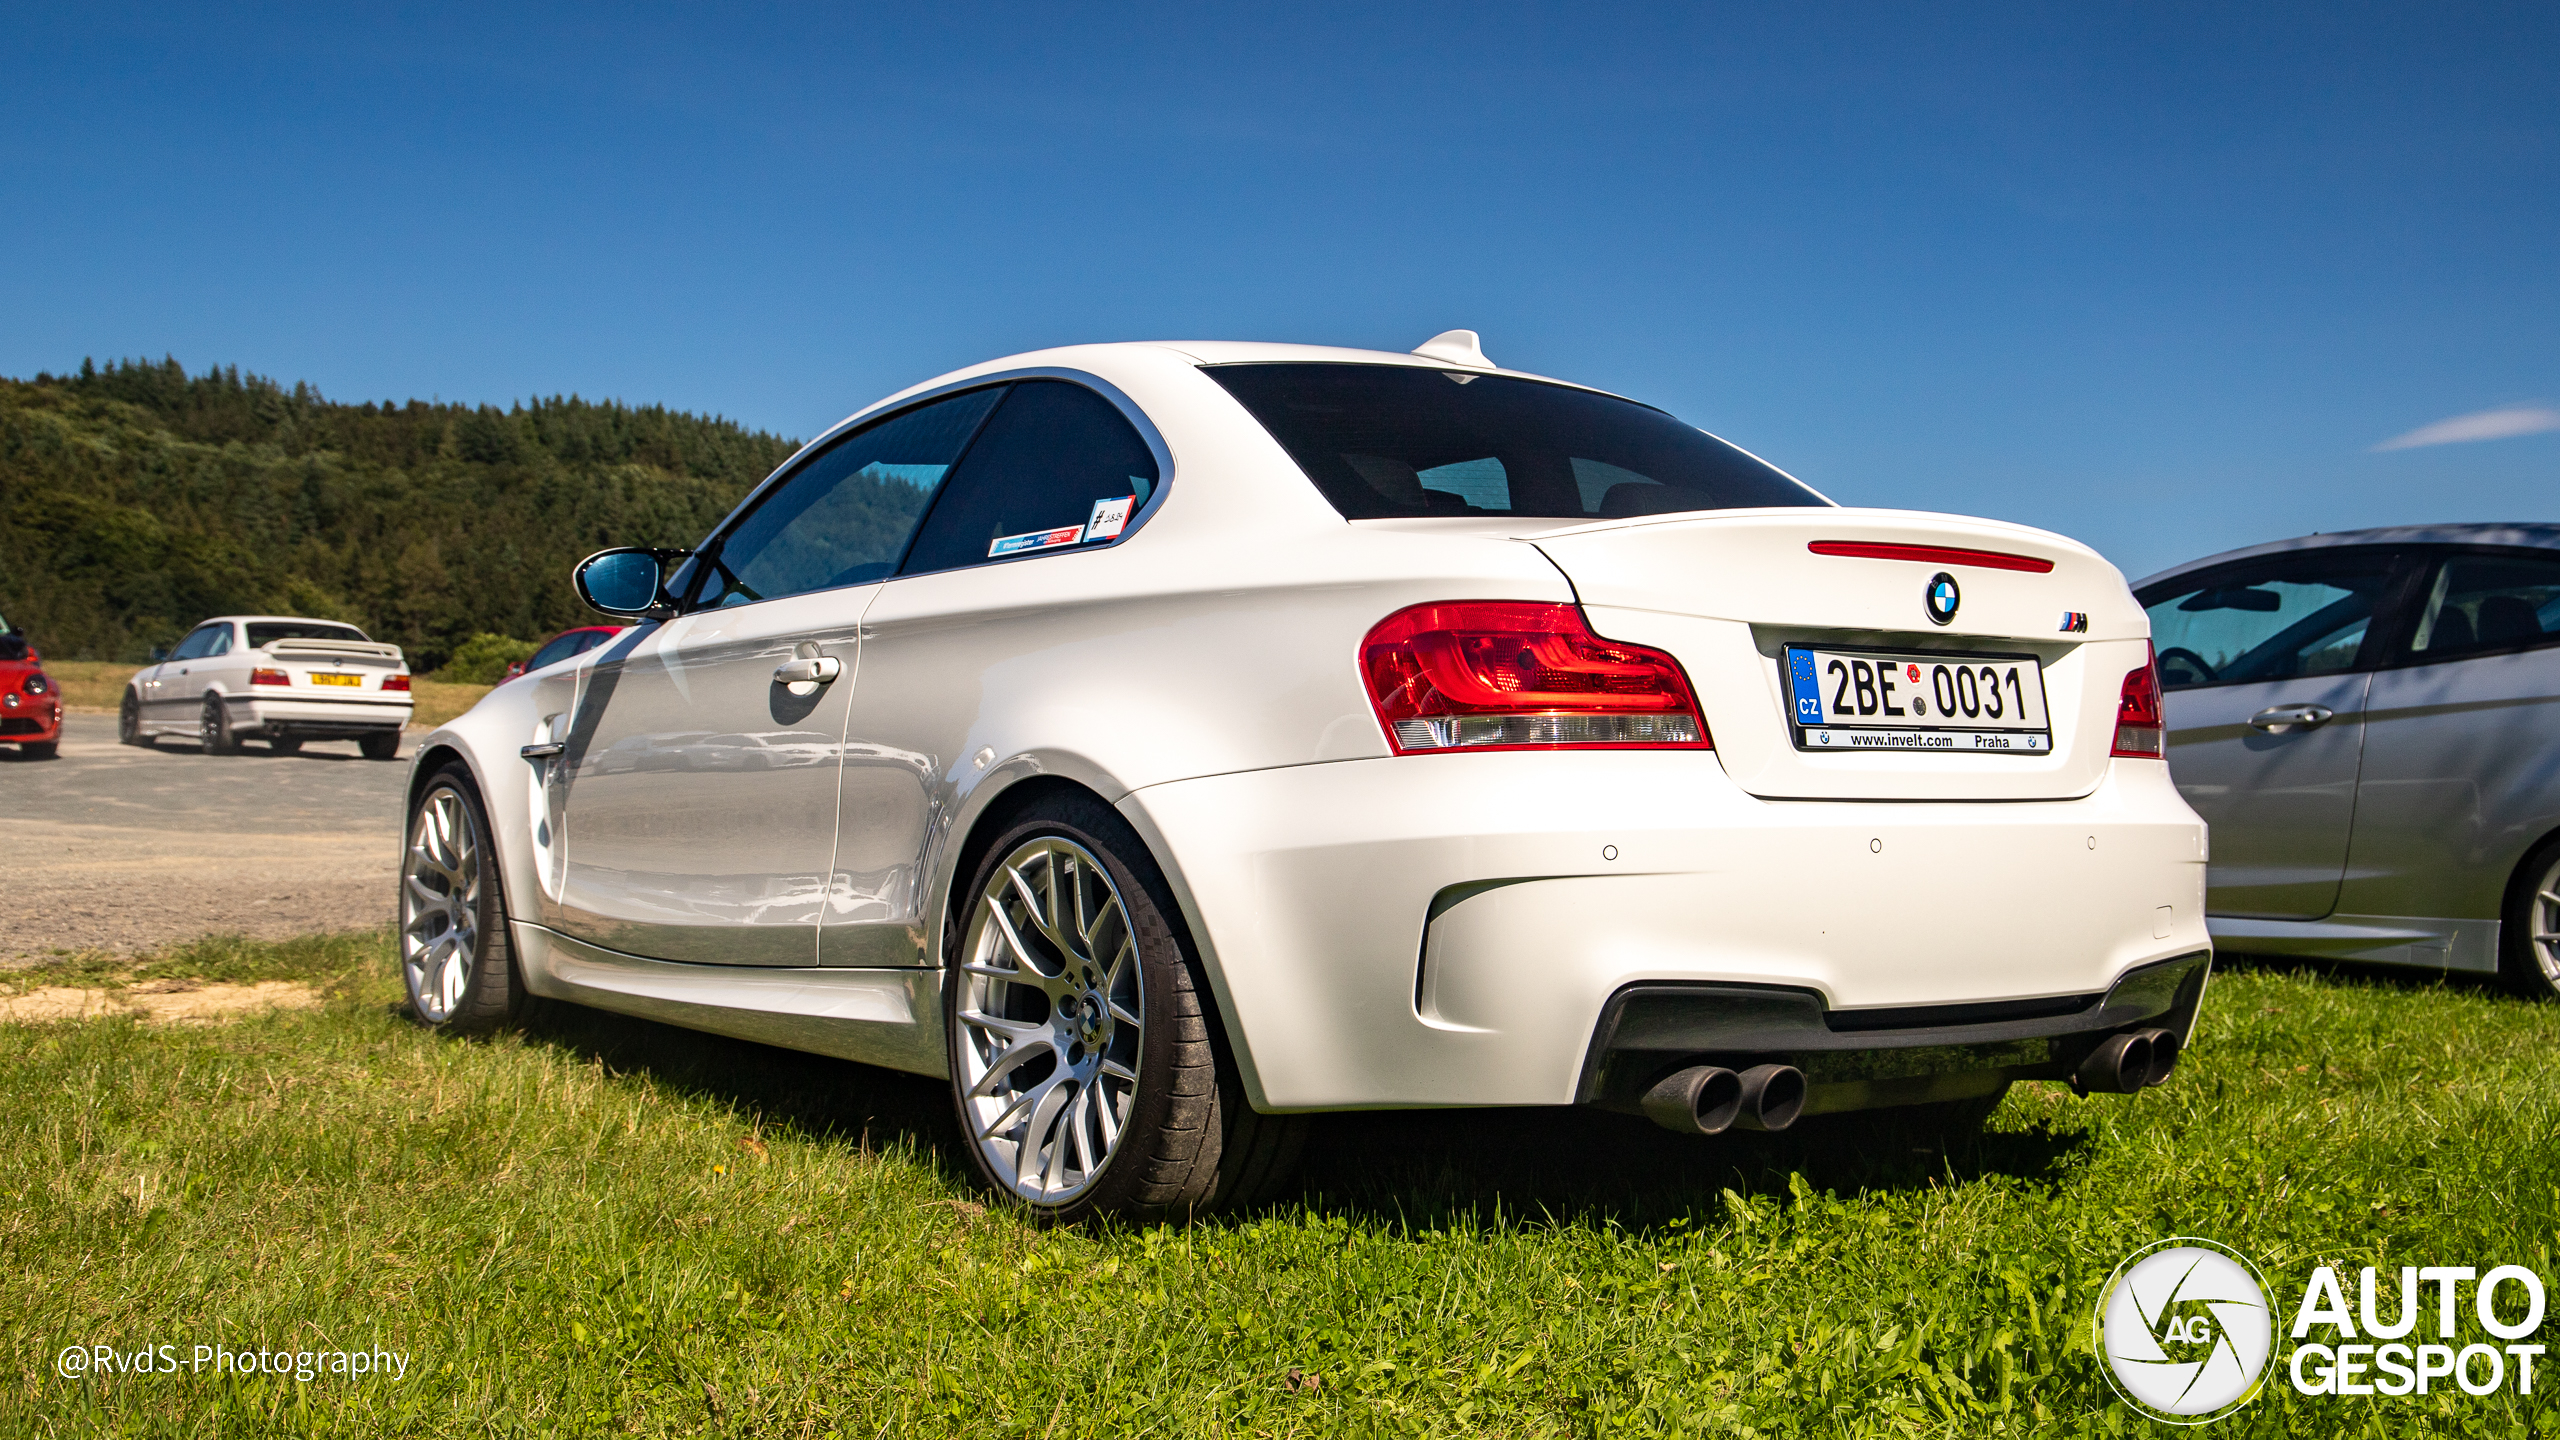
1888, 700
337, 680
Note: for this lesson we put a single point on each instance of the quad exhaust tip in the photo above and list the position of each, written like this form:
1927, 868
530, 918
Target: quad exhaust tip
1709, 1099
2126, 1062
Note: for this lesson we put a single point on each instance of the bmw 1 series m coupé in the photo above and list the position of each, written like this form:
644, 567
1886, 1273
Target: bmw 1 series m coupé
1164, 742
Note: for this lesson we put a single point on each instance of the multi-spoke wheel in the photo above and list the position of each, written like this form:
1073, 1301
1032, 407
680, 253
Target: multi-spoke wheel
129, 720
1051, 1020
213, 727
454, 954
1083, 1062
2531, 933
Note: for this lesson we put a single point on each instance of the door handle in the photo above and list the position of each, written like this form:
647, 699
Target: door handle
543, 750
2278, 719
808, 670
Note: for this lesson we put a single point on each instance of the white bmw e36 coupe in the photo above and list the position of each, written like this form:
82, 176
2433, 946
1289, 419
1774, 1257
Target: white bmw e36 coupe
1163, 742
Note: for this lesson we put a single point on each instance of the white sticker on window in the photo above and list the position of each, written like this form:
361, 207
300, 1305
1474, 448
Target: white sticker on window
1110, 517
1035, 540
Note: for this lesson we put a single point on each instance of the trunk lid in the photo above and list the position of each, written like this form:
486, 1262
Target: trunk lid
326, 667
1729, 593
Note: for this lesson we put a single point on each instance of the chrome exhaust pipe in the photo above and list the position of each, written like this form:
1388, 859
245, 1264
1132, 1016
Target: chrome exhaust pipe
1772, 1097
2119, 1066
1701, 1100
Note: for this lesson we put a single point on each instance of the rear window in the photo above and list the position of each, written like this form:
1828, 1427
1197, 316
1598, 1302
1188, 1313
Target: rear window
1392, 441
263, 635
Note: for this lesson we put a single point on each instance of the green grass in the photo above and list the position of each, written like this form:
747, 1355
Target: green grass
603, 1226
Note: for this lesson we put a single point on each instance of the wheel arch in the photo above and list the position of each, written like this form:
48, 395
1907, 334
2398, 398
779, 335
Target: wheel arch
1016, 798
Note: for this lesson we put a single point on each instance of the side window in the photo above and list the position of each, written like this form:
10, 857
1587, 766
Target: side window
2272, 620
2480, 603
221, 641
200, 644
1057, 467
558, 650
844, 516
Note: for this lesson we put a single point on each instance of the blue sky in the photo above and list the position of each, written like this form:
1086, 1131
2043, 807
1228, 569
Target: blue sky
2158, 276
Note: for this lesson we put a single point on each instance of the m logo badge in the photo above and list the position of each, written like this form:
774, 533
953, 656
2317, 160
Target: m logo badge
2075, 622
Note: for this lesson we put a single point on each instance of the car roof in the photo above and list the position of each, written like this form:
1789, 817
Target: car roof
277, 619
2527, 533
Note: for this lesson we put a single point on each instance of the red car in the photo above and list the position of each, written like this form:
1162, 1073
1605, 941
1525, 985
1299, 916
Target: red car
30, 704
576, 641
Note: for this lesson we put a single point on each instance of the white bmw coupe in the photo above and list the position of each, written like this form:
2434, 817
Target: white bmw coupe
1163, 742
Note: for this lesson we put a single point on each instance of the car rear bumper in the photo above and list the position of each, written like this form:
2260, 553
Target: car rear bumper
255, 714
1452, 929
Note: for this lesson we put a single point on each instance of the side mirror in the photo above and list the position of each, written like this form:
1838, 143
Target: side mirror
159, 653
628, 581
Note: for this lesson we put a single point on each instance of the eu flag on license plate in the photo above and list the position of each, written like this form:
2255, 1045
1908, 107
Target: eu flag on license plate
1808, 687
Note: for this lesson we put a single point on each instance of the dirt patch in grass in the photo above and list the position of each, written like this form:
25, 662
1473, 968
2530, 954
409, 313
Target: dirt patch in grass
159, 1002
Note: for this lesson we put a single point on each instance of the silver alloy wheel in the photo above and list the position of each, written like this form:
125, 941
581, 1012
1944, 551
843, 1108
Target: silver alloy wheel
1048, 1016
440, 904
2542, 921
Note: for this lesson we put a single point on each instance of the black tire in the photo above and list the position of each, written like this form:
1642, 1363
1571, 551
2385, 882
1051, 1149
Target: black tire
285, 744
380, 747
40, 749
1190, 1141
129, 721
2529, 930
214, 728
482, 991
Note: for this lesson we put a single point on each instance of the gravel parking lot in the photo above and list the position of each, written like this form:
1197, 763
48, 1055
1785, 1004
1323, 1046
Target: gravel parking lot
118, 848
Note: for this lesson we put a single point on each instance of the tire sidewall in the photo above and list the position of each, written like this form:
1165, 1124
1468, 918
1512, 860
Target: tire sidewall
215, 727
129, 719
1162, 951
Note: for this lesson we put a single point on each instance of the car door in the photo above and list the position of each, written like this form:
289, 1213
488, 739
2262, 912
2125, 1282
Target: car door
2265, 665
1059, 469
697, 787
177, 688
2462, 746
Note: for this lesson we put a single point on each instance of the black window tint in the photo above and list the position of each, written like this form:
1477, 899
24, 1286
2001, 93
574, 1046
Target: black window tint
843, 517
2480, 603
1034, 479
2271, 621
1384, 441
200, 644
264, 634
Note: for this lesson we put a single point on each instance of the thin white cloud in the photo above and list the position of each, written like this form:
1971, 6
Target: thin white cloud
2503, 424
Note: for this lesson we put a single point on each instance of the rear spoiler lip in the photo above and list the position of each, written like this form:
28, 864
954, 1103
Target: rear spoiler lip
367, 648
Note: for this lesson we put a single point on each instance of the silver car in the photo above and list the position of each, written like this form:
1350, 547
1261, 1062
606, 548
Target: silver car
2370, 721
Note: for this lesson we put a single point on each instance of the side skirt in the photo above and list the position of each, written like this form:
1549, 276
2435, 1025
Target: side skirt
2439, 944
886, 1017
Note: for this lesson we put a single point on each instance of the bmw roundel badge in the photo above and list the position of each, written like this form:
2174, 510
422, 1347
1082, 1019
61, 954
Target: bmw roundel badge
1941, 598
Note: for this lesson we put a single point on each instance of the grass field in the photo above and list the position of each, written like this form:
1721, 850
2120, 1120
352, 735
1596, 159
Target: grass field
603, 1226
98, 685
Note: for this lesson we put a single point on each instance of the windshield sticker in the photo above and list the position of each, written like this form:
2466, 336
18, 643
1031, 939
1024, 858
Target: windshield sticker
1036, 540
1110, 517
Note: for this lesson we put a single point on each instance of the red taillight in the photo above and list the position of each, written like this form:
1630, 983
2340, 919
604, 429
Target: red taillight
269, 677
2139, 728
1932, 555
395, 682
1514, 675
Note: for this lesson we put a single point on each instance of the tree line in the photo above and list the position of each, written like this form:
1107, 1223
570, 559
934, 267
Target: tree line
136, 499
